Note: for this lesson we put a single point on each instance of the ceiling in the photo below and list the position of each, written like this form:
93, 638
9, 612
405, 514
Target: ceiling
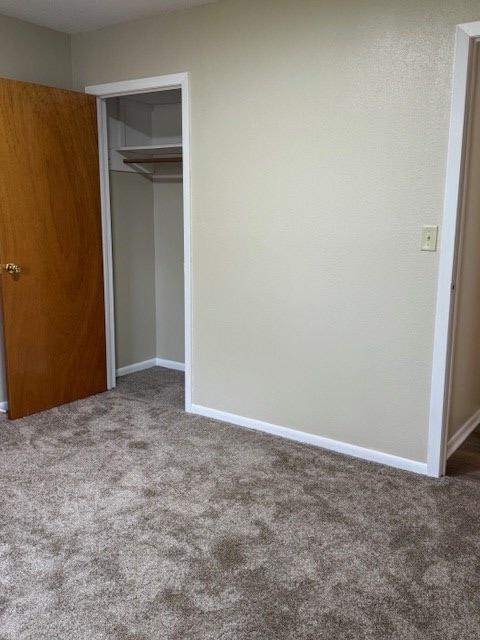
73, 16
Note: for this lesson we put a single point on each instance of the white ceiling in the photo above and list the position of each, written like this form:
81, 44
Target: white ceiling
72, 16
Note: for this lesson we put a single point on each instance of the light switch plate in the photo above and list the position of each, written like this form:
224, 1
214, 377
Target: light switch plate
429, 238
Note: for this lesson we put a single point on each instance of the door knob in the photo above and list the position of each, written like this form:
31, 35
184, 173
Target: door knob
12, 268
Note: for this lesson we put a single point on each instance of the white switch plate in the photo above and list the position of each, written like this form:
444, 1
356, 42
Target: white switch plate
429, 238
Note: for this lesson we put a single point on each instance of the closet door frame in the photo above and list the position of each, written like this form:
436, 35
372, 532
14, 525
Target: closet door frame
115, 90
450, 248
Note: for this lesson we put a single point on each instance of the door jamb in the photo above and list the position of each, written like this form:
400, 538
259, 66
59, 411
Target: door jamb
113, 90
437, 436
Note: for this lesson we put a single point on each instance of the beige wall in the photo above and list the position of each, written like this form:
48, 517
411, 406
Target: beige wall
133, 266
169, 289
319, 139
465, 389
32, 54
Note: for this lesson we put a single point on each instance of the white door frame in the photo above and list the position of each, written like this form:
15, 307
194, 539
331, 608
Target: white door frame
437, 437
114, 90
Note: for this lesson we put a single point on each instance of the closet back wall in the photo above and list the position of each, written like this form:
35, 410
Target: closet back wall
147, 240
32, 54
133, 247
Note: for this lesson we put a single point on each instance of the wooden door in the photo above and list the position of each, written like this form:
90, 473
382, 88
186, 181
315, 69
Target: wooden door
50, 226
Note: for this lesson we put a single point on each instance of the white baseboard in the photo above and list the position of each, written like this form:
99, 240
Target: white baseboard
148, 364
170, 364
3, 406
138, 366
309, 438
462, 434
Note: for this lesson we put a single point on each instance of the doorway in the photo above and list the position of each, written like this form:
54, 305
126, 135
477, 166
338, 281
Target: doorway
455, 395
465, 461
144, 145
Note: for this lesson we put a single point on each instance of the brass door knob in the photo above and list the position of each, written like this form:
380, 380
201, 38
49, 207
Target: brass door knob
12, 268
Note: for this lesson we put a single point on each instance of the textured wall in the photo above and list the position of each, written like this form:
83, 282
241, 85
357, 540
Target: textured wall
34, 54
465, 390
319, 139
169, 289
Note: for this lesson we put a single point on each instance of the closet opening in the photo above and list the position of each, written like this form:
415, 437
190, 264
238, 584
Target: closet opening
144, 167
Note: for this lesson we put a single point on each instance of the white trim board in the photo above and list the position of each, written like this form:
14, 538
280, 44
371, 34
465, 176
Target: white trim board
106, 242
4, 406
148, 364
443, 319
309, 438
140, 85
131, 87
170, 364
462, 434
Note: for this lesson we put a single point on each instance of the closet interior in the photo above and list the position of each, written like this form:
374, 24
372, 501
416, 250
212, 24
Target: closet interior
146, 197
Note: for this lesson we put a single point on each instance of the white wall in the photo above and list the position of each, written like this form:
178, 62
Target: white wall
32, 54
319, 140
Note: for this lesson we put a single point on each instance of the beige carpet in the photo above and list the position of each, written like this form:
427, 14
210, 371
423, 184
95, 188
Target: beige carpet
123, 518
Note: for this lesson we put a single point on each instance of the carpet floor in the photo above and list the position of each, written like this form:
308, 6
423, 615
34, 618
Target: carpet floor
124, 518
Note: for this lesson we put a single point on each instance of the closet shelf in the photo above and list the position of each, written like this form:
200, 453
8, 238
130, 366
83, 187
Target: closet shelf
145, 133
152, 154
153, 150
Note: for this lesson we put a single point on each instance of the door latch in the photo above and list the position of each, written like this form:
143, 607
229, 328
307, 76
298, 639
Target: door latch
11, 268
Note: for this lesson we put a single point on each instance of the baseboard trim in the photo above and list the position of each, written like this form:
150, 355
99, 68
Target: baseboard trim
308, 438
170, 364
462, 434
148, 364
3, 406
138, 366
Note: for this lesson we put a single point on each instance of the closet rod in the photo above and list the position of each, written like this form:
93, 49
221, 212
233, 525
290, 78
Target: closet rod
151, 160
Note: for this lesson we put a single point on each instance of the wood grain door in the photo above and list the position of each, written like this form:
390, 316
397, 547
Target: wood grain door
50, 226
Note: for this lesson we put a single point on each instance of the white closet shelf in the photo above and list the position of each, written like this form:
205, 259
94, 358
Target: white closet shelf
158, 154
153, 150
